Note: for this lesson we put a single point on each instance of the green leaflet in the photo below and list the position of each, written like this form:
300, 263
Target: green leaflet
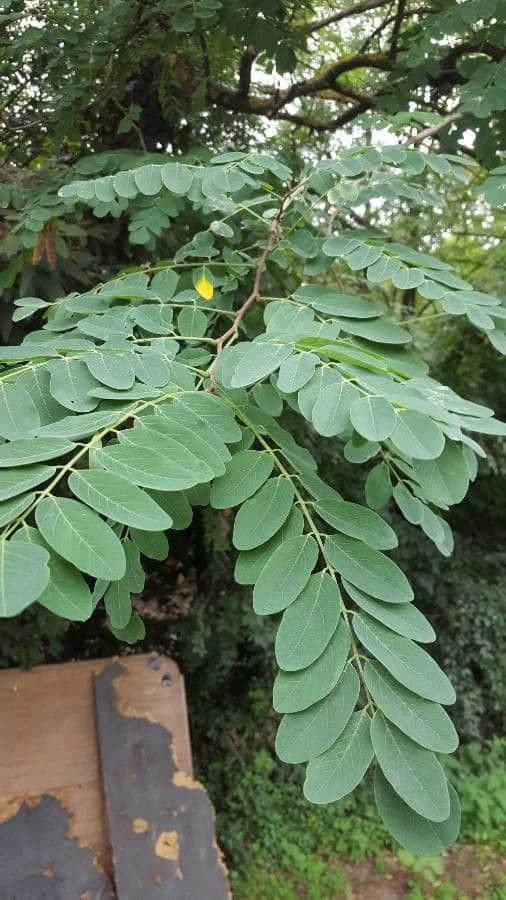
153, 544
383, 269
373, 418
18, 413
250, 563
177, 506
67, 593
358, 522
36, 382
304, 735
261, 516
192, 322
418, 835
330, 413
11, 509
378, 486
410, 506
154, 318
25, 451
134, 577
358, 450
296, 371
338, 771
414, 773
71, 383
174, 420
244, 475
258, 361
117, 604
76, 427
199, 444
368, 569
308, 396
81, 537
315, 486
444, 480
24, 574
111, 368
145, 467
151, 368
403, 618
285, 575
136, 392
423, 721
407, 662
308, 624
379, 330
268, 399
171, 452
177, 178
16, 481
349, 305
133, 632
417, 436
210, 411
118, 499
295, 691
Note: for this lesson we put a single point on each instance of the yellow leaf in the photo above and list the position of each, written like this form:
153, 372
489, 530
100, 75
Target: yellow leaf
204, 287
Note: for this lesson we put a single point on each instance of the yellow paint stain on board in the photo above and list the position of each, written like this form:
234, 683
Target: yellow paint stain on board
139, 826
167, 845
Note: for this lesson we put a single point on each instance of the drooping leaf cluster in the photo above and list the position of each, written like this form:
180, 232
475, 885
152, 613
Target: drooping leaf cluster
152, 394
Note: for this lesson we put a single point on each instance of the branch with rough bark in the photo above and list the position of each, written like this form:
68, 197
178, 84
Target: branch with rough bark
353, 10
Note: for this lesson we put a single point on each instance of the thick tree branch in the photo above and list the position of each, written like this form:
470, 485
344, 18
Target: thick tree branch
247, 60
354, 10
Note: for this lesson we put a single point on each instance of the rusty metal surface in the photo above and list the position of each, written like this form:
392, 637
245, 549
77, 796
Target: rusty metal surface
161, 821
39, 862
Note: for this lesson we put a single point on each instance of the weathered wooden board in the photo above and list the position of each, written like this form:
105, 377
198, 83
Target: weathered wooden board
51, 788
161, 820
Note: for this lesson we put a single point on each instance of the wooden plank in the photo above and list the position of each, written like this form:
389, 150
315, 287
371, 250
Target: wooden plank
49, 743
161, 820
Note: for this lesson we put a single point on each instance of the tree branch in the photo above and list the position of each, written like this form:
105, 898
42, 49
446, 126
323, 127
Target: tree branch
401, 6
354, 10
429, 132
272, 236
245, 66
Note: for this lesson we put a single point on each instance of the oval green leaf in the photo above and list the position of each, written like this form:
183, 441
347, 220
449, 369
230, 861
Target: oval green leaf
407, 662
294, 691
414, 773
368, 569
304, 735
423, 721
341, 768
81, 537
308, 624
285, 575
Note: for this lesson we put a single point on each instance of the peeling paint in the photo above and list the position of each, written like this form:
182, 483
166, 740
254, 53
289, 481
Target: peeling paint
139, 826
182, 779
167, 845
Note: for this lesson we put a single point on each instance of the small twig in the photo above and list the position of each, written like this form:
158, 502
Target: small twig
397, 28
135, 127
233, 331
429, 132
